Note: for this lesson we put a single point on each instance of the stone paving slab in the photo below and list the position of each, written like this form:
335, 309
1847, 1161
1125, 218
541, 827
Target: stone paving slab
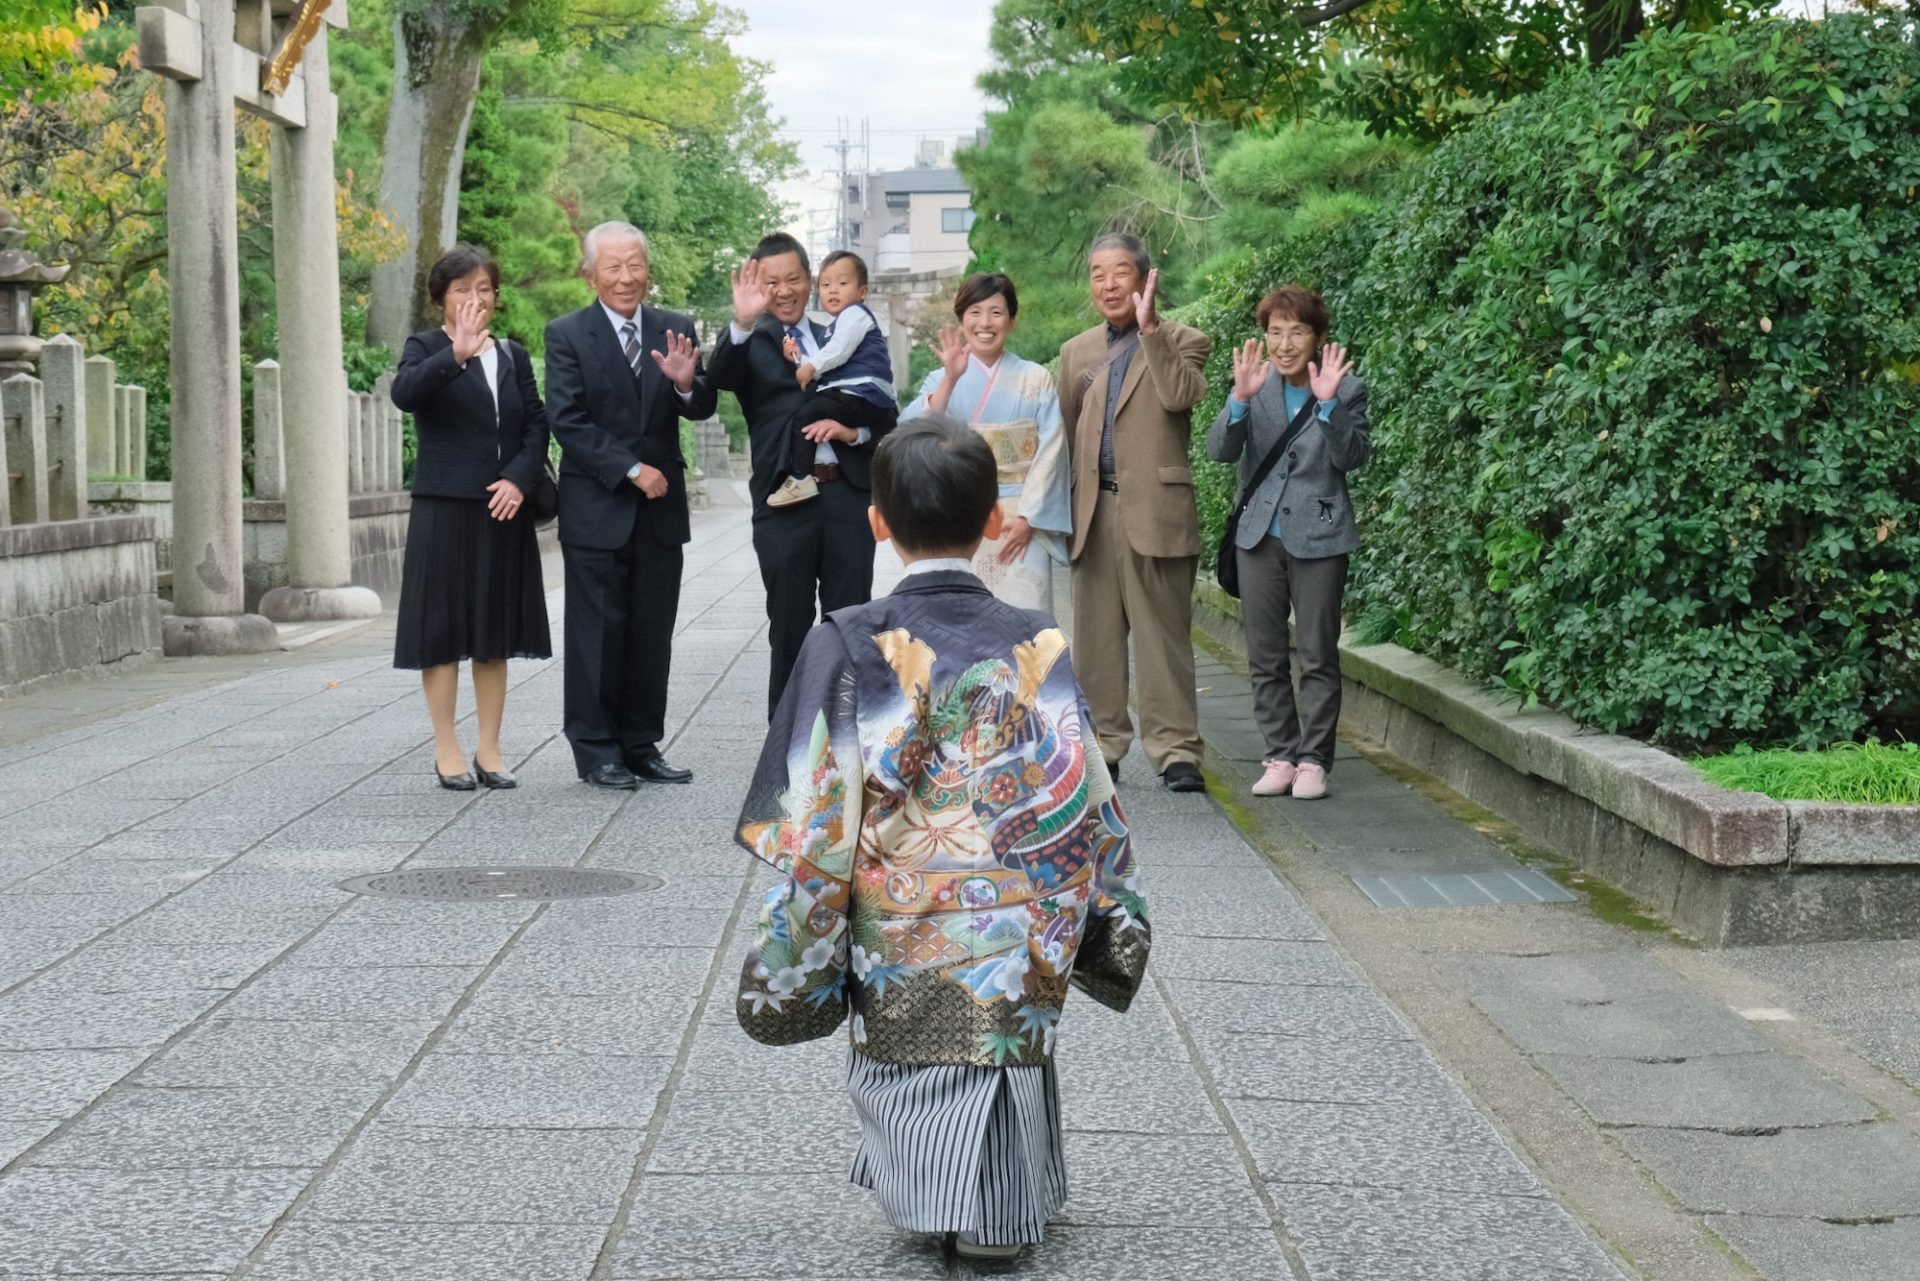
1370, 1234
1797, 1250
1616, 1004
402, 1174
1715, 1091
1839, 1172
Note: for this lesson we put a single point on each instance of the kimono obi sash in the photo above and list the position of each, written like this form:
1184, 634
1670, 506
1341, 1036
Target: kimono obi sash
1014, 446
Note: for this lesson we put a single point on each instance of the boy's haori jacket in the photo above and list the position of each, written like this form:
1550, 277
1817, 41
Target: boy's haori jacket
951, 862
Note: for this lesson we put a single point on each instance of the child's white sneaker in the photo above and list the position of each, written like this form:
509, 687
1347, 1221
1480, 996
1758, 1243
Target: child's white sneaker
795, 489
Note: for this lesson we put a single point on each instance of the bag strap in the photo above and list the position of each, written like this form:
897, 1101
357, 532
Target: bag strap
1287, 437
1124, 347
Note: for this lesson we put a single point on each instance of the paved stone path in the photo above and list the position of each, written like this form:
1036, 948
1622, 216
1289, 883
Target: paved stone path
215, 1063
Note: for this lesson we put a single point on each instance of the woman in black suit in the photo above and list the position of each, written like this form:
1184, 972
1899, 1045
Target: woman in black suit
472, 587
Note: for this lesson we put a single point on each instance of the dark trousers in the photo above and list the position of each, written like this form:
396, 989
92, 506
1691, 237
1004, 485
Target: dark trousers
1274, 582
822, 547
621, 606
848, 408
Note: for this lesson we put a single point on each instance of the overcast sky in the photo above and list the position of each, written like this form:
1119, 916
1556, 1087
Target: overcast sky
906, 66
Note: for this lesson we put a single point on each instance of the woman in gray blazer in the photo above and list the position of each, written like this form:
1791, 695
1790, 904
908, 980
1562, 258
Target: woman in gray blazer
1298, 531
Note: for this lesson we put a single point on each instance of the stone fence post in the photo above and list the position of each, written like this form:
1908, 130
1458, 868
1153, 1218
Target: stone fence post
397, 427
269, 439
102, 452
130, 430
24, 414
64, 388
356, 445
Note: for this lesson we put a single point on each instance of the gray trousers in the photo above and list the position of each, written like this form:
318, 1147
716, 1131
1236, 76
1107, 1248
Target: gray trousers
1274, 583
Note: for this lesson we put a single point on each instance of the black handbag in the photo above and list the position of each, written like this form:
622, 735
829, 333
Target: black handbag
1227, 563
543, 500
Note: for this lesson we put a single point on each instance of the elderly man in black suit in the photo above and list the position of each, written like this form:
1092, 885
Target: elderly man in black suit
822, 548
620, 377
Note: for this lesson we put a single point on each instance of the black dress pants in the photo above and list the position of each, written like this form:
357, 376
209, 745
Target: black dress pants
823, 547
621, 606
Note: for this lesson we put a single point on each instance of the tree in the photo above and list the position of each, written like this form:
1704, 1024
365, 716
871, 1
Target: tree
1411, 66
438, 47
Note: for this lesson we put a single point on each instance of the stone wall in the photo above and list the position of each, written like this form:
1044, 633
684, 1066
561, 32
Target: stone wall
377, 526
76, 598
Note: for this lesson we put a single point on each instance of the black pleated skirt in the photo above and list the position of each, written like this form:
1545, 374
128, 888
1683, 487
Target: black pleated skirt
471, 588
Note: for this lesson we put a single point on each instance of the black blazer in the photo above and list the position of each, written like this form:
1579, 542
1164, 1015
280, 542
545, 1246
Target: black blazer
464, 445
758, 373
607, 420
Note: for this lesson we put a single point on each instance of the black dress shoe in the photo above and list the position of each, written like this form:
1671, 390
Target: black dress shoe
653, 768
1113, 772
498, 780
617, 777
1182, 777
455, 782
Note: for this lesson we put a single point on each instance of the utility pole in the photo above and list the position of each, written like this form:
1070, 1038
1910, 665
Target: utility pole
843, 147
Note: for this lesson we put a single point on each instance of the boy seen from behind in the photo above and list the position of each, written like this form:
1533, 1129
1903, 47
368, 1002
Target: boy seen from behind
853, 373
951, 863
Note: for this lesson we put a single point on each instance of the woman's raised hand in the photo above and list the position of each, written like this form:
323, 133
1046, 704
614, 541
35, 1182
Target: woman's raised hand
1324, 375
469, 328
1250, 370
952, 352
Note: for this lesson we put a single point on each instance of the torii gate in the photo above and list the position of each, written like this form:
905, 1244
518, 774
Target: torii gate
261, 55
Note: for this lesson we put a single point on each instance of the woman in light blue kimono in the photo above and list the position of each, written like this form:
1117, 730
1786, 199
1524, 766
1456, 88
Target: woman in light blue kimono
1011, 402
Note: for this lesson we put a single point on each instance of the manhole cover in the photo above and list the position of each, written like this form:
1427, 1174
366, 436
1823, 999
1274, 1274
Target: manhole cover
480, 884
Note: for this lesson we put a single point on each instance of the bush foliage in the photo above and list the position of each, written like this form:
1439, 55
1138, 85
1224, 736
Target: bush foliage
1644, 351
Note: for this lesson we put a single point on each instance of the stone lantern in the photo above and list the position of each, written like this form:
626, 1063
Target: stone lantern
21, 273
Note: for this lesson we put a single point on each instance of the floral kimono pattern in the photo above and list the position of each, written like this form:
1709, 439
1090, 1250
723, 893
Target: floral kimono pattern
950, 861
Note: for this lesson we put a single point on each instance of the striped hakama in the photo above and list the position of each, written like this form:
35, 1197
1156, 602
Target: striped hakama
958, 1148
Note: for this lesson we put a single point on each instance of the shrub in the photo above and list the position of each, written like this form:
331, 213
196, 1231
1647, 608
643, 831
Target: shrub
1643, 352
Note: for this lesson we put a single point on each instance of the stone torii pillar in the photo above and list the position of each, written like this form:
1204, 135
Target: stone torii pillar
306, 283
216, 56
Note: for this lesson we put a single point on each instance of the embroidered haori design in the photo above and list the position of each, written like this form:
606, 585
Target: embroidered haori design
951, 862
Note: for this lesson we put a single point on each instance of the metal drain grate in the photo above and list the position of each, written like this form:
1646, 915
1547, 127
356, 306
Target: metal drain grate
488, 884
1469, 889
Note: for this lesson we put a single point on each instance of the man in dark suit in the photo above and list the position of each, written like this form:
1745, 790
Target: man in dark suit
821, 549
619, 379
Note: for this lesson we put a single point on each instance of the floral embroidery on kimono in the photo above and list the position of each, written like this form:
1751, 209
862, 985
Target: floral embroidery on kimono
950, 863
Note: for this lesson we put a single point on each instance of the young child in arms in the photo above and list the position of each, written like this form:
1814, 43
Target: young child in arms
849, 380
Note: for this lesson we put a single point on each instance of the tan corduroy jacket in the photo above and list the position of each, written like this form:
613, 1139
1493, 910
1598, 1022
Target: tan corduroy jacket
1150, 435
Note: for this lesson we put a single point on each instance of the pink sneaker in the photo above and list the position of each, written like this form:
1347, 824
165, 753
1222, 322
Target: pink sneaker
1277, 779
1310, 783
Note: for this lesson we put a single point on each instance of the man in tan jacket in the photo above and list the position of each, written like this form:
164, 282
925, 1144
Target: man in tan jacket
1127, 391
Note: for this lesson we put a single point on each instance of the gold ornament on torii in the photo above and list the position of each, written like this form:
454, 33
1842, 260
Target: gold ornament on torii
275, 73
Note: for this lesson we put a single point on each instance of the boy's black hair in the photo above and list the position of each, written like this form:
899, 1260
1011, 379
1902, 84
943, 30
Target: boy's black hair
935, 483
859, 264
772, 246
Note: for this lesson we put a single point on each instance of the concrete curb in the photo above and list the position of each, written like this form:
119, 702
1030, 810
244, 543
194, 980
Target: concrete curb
1731, 867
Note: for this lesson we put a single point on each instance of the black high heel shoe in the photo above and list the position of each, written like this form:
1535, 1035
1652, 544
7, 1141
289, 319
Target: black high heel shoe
499, 782
455, 782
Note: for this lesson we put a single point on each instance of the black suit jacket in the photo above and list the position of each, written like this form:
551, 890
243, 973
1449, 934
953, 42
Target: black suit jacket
758, 373
465, 444
606, 420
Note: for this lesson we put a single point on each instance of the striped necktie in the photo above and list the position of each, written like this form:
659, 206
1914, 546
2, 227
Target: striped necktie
630, 344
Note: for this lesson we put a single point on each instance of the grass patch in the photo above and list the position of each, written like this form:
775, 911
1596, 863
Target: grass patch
1853, 773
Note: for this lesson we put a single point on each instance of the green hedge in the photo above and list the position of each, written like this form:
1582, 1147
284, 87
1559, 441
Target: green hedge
1643, 351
